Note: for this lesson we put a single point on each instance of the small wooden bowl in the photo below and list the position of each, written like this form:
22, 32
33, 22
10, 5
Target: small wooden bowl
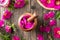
45, 6
34, 24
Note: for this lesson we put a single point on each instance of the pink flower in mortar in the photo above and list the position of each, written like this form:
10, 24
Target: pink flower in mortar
51, 14
52, 22
56, 32
19, 3
25, 23
4, 3
7, 14
15, 37
8, 29
1, 23
40, 37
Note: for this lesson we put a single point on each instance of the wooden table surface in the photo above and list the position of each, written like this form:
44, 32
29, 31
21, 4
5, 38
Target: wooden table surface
39, 10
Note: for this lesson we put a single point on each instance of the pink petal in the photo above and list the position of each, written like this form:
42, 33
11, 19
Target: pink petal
15, 38
40, 37
52, 22
8, 29
1, 23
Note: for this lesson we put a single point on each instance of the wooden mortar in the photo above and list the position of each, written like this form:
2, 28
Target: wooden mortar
34, 25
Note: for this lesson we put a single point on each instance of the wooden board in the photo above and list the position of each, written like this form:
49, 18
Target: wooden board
18, 12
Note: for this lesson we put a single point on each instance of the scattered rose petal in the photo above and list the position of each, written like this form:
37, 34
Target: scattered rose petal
15, 38
52, 22
40, 37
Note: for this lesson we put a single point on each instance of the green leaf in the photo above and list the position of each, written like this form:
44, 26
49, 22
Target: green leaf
58, 15
5, 37
26, 1
11, 7
13, 27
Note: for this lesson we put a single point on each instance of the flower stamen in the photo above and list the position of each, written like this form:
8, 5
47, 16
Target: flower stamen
5, 14
57, 2
48, 1
18, 3
58, 32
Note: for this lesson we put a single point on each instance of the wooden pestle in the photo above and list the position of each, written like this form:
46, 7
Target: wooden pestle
32, 17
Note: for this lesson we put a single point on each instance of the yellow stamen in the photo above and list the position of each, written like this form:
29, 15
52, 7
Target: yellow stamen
5, 14
57, 2
48, 1
18, 3
58, 32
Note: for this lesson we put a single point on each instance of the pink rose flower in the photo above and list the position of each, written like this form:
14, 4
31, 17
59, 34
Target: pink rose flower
51, 14
40, 37
8, 29
48, 15
19, 3
7, 14
1, 23
15, 38
4, 3
45, 29
52, 22
45, 16
57, 32
42, 28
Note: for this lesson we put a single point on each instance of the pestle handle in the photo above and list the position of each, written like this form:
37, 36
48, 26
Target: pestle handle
32, 17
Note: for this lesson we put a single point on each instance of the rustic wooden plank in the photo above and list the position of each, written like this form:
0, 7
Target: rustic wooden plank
27, 35
33, 32
17, 13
